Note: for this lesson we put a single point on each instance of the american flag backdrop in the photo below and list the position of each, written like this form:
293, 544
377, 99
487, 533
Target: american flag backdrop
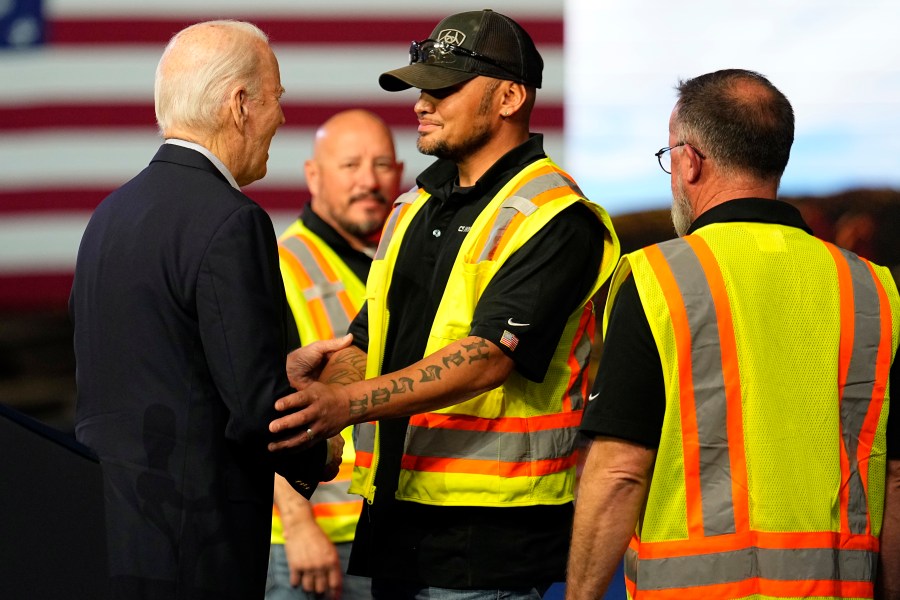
77, 119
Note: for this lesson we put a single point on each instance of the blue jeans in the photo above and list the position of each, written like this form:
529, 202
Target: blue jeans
278, 580
392, 590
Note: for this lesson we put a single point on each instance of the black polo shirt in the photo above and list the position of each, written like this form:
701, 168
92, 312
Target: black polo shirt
359, 262
629, 399
474, 547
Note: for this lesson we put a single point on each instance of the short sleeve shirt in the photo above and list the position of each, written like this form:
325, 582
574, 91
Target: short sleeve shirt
537, 289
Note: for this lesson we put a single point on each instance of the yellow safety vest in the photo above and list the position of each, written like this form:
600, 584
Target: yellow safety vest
776, 349
515, 444
324, 295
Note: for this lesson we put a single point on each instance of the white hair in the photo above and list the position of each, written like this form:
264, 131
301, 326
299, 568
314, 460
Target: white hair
190, 97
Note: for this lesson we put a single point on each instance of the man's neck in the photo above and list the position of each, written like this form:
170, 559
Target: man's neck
364, 245
217, 163
722, 190
472, 167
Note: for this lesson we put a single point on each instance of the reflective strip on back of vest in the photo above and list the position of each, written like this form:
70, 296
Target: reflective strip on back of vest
722, 552
712, 390
862, 387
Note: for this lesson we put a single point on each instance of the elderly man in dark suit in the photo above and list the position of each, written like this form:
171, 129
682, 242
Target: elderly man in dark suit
181, 337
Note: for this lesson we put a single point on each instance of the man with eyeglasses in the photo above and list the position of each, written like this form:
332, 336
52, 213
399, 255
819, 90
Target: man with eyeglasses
742, 443
474, 339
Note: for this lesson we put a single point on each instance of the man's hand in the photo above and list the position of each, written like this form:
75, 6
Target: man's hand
321, 411
313, 561
305, 363
311, 557
453, 374
335, 453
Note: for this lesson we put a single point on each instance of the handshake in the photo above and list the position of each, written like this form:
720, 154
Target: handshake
314, 411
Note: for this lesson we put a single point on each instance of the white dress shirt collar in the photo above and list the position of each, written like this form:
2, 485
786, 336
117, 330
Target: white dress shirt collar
212, 158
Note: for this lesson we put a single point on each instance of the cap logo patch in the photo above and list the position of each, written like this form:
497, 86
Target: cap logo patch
451, 36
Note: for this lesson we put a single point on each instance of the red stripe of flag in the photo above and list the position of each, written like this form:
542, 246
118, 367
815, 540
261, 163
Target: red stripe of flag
72, 115
286, 30
28, 292
69, 199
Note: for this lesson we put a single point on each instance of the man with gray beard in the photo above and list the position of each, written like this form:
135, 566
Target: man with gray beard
742, 444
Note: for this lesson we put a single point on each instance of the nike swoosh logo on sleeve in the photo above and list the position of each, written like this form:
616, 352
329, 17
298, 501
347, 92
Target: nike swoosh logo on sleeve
512, 323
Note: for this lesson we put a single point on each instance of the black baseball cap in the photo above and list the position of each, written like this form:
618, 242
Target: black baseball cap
466, 45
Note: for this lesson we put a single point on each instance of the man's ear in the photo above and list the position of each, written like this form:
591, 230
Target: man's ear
693, 166
311, 170
239, 106
512, 99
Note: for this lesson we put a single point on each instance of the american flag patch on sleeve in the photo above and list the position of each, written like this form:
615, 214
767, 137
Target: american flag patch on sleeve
509, 340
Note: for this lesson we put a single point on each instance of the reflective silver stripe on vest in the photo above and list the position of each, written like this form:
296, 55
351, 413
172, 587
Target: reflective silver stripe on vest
860, 384
583, 347
333, 491
321, 289
571, 183
708, 385
405, 198
491, 445
364, 437
803, 564
521, 203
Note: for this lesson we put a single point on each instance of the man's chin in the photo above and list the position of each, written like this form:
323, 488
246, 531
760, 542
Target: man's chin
429, 146
366, 224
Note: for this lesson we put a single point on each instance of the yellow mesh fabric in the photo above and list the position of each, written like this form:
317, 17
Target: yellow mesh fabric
787, 354
788, 357
666, 515
876, 476
525, 398
876, 480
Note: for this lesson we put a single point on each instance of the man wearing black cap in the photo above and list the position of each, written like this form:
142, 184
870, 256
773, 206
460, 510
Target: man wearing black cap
487, 270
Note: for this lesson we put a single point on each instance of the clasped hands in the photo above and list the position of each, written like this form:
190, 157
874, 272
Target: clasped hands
315, 410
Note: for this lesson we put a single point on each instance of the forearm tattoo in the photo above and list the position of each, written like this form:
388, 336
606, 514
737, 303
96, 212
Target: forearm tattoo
471, 352
359, 406
347, 368
477, 350
454, 360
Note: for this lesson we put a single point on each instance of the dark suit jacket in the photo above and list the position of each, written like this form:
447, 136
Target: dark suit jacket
180, 341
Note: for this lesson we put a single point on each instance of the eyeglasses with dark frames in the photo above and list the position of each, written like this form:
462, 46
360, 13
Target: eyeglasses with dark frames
430, 51
664, 156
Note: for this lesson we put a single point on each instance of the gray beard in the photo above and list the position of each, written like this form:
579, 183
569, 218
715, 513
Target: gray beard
361, 230
682, 212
